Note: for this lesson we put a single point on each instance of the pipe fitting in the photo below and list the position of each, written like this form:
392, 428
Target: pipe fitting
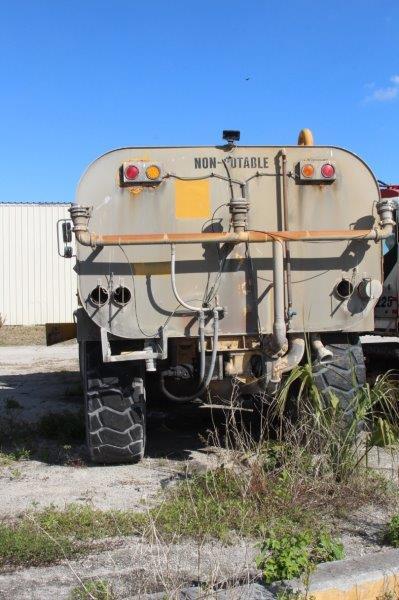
286, 363
80, 216
150, 364
385, 209
322, 354
239, 208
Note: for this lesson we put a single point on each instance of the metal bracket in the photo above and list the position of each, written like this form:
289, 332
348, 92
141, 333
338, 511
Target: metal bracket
147, 354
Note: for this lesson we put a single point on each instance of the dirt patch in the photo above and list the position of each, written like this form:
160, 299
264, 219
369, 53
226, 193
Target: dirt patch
25, 335
18, 335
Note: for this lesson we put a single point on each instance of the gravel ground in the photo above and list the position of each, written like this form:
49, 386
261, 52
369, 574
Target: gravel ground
45, 380
137, 565
40, 379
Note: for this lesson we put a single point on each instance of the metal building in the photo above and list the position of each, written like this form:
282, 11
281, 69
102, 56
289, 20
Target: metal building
37, 286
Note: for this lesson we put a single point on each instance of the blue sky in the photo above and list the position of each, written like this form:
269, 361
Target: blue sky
80, 77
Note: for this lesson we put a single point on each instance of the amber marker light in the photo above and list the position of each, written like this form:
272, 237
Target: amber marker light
153, 172
308, 170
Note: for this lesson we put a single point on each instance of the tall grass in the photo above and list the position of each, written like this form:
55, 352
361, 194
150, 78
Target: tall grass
341, 436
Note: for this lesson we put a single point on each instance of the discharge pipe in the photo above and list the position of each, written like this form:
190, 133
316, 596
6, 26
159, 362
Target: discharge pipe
279, 324
286, 363
80, 216
322, 353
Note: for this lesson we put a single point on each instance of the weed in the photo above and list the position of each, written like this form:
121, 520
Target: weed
219, 503
330, 430
8, 458
98, 589
15, 473
5, 459
392, 532
50, 535
291, 595
285, 556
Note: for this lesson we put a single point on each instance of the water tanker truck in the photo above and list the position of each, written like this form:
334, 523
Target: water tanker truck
203, 269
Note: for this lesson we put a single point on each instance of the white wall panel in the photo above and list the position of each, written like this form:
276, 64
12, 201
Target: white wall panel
37, 286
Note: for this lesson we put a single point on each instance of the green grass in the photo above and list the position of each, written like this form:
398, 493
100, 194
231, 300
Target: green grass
212, 505
9, 458
220, 505
51, 535
98, 589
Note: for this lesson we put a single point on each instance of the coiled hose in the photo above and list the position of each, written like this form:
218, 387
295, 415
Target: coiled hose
204, 382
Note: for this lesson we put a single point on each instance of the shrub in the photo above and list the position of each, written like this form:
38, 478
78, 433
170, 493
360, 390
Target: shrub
392, 532
285, 556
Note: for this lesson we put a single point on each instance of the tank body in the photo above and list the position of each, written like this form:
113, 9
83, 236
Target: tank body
191, 199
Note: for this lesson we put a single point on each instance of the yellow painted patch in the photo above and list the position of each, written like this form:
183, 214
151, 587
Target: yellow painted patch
192, 199
151, 268
387, 584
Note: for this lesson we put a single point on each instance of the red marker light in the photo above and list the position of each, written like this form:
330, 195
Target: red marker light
327, 171
131, 172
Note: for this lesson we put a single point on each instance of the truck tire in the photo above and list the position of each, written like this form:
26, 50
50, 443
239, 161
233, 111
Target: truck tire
115, 408
343, 375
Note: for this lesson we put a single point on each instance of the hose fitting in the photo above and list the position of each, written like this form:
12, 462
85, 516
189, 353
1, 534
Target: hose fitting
385, 209
239, 208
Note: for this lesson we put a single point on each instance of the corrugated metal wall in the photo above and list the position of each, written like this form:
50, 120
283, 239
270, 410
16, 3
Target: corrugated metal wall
37, 286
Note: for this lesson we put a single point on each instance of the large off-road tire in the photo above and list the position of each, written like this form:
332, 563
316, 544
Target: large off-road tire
344, 374
115, 408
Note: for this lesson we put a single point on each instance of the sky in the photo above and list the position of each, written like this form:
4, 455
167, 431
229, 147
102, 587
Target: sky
81, 77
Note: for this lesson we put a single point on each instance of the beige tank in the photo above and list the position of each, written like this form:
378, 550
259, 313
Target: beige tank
191, 200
